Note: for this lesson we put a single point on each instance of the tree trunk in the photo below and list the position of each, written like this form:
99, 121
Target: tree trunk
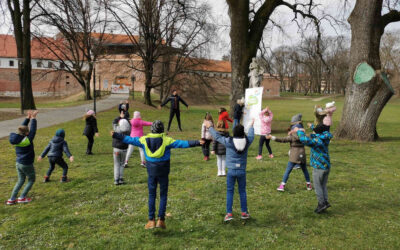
364, 102
240, 57
147, 95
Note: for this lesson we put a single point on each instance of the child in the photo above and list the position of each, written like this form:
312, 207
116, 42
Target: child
320, 161
54, 152
323, 117
120, 125
124, 108
238, 111
90, 129
206, 136
157, 148
224, 116
266, 117
297, 154
120, 107
137, 131
24, 149
236, 155
219, 149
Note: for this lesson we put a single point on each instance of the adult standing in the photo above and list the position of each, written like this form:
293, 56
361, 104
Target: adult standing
174, 110
90, 130
238, 112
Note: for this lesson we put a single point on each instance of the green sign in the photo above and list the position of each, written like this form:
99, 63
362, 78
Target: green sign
364, 73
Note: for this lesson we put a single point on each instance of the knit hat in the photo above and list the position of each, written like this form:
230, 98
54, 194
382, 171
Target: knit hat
123, 106
136, 114
296, 119
329, 105
60, 132
321, 129
90, 112
124, 126
157, 127
238, 131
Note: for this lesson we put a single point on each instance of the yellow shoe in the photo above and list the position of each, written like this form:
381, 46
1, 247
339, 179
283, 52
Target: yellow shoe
151, 224
161, 224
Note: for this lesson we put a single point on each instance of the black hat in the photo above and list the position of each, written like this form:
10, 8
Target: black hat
321, 129
157, 127
238, 131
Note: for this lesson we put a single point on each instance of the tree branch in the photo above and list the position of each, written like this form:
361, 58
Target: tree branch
390, 17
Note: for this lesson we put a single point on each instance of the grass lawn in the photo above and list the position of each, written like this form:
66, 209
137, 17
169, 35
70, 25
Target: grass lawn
90, 212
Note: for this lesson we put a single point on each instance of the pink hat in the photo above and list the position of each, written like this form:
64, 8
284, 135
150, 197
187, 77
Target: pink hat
136, 114
90, 112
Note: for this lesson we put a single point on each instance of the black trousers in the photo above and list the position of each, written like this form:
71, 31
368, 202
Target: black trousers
261, 144
206, 147
173, 112
90, 143
59, 161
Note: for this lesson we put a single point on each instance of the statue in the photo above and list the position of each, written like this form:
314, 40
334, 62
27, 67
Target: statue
256, 74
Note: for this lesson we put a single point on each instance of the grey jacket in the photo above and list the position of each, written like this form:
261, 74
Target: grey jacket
297, 153
56, 148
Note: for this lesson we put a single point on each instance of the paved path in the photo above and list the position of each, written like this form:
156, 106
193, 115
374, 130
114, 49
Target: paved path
50, 117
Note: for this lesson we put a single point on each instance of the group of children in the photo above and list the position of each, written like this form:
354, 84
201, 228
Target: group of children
155, 151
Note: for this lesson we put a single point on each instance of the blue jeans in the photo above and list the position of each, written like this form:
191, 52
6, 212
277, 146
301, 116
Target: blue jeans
235, 122
240, 176
152, 182
289, 169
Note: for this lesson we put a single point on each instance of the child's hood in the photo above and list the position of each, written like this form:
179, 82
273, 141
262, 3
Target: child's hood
239, 144
15, 138
57, 139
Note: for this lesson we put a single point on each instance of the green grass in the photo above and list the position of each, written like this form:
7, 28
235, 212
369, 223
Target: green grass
90, 212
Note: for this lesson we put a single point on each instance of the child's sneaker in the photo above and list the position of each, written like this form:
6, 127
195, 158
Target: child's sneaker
11, 202
121, 181
245, 216
281, 188
309, 187
143, 164
205, 158
271, 156
259, 157
297, 166
64, 179
327, 205
24, 200
116, 182
126, 165
46, 179
228, 217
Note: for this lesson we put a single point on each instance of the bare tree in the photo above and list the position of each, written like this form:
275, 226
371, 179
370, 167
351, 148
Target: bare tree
77, 46
20, 11
364, 102
170, 34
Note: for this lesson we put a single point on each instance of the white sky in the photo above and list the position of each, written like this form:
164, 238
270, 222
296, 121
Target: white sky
273, 38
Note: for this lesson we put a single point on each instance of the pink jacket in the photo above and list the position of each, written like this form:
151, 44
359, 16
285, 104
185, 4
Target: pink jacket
137, 127
266, 121
328, 118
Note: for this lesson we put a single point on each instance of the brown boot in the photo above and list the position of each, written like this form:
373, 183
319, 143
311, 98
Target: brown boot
161, 224
150, 224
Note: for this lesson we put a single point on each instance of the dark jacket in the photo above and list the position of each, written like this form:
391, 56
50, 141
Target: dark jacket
157, 150
91, 126
238, 111
56, 147
174, 99
297, 152
117, 143
120, 107
24, 148
219, 148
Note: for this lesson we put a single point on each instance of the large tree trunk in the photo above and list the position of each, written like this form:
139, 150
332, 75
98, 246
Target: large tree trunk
147, 95
240, 57
364, 102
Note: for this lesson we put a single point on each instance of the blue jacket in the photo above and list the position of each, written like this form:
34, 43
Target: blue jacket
157, 150
24, 144
234, 159
319, 148
56, 147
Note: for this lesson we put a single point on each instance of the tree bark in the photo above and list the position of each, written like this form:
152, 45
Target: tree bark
364, 102
147, 95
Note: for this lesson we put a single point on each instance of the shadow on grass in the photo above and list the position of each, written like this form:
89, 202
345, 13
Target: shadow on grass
387, 139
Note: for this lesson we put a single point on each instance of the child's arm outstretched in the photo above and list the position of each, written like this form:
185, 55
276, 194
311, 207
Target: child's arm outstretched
185, 144
219, 138
32, 130
67, 152
311, 142
127, 139
44, 153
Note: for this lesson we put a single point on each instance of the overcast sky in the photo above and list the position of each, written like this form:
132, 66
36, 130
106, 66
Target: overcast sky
273, 37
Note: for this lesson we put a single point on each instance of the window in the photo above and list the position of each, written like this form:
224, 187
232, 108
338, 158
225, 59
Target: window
49, 65
39, 64
67, 83
67, 76
11, 63
62, 65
